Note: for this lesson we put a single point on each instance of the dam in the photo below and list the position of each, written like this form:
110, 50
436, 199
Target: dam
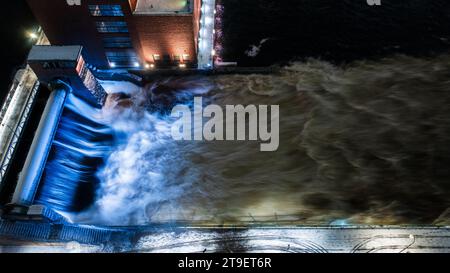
103, 170
56, 105
69, 110
89, 162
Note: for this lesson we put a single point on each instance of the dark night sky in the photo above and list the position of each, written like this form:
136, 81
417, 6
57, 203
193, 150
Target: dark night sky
16, 20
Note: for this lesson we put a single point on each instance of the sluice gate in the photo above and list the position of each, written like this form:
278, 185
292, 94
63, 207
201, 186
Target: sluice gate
73, 86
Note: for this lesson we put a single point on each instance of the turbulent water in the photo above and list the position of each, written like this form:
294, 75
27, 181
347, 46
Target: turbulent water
364, 144
81, 143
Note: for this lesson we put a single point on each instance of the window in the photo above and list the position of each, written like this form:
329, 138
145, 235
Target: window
106, 10
112, 27
117, 42
156, 57
186, 57
122, 58
176, 58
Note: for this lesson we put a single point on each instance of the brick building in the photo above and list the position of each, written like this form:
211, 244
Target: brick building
124, 33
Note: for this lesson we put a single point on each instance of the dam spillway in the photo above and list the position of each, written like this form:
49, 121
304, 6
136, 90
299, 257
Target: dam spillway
78, 148
71, 114
32, 171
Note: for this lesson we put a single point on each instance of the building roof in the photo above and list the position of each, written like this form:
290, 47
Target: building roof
54, 53
163, 6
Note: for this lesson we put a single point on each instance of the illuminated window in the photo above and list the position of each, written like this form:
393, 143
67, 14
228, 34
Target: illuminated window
156, 57
176, 58
186, 57
112, 27
117, 42
106, 10
126, 58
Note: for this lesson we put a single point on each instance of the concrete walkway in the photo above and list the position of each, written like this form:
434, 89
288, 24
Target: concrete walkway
300, 240
260, 240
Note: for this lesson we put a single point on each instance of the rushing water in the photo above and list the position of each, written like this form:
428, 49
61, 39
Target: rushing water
367, 144
81, 143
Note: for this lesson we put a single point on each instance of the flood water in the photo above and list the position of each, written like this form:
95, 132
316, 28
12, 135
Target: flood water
367, 143
364, 142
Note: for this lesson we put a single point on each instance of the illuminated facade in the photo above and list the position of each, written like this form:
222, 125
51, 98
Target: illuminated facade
124, 33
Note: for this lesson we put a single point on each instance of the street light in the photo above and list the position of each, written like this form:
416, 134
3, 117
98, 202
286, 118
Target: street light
33, 35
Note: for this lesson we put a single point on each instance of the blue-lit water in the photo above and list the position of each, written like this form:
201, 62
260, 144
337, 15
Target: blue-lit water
80, 146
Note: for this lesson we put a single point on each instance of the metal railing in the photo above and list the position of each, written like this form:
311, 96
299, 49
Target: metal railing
9, 97
17, 132
7, 154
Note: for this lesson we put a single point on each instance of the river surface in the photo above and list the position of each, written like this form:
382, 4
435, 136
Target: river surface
365, 143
